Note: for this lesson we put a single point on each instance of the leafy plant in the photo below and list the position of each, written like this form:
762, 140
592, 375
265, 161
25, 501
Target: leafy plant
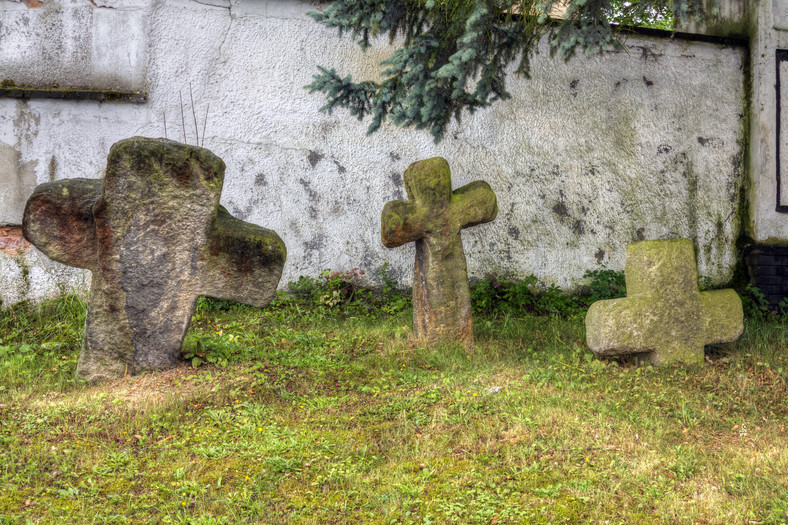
783, 306
347, 289
503, 294
207, 349
605, 284
553, 301
340, 287
392, 299
304, 288
755, 304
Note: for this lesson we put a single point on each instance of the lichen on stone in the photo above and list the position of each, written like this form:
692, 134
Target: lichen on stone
664, 315
433, 219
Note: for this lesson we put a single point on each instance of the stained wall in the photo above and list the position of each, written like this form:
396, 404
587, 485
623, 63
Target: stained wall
586, 157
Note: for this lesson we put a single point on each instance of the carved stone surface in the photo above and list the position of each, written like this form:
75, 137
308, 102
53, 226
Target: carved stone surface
663, 314
155, 238
433, 219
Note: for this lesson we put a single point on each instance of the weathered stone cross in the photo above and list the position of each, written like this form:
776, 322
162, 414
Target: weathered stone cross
155, 238
433, 219
663, 313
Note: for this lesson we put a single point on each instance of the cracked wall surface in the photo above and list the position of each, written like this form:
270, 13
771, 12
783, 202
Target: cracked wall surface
586, 157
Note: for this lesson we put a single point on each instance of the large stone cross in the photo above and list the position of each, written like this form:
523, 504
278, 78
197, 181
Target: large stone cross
663, 314
155, 238
433, 219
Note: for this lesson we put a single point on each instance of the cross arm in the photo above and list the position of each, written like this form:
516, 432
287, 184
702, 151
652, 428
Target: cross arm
401, 222
723, 317
473, 204
621, 326
241, 262
58, 220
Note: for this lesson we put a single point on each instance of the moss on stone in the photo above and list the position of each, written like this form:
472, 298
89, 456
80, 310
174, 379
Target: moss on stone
433, 219
663, 314
244, 243
428, 181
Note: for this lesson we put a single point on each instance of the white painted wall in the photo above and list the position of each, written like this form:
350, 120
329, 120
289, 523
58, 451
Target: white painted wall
584, 156
767, 225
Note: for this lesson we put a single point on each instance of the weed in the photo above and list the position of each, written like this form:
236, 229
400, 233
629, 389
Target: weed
345, 291
506, 295
755, 304
605, 284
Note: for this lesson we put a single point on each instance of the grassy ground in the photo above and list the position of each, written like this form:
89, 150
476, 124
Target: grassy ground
323, 414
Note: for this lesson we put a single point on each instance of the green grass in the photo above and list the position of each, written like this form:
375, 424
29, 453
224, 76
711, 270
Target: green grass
323, 414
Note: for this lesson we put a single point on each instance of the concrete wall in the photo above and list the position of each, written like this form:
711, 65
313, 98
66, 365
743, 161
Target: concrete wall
768, 222
585, 158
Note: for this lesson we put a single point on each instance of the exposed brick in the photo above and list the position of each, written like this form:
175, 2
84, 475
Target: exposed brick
769, 280
759, 271
770, 291
767, 260
11, 240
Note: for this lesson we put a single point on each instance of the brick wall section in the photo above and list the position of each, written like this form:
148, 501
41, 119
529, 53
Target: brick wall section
768, 268
11, 240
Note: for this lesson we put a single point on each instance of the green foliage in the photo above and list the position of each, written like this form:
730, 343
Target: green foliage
336, 289
503, 294
658, 16
605, 284
506, 295
304, 287
213, 304
209, 350
455, 53
755, 304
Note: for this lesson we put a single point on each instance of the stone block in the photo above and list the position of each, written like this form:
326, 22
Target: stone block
664, 315
433, 218
155, 238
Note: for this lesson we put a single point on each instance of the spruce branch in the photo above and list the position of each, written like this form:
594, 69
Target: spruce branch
453, 54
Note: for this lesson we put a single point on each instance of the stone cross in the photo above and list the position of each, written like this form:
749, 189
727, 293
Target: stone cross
663, 314
433, 219
155, 238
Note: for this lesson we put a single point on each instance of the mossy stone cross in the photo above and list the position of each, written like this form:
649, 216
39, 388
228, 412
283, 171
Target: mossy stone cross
155, 238
663, 314
433, 219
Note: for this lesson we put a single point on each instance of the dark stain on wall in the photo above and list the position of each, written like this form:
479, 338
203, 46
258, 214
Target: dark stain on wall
314, 157
313, 197
573, 86
560, 209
